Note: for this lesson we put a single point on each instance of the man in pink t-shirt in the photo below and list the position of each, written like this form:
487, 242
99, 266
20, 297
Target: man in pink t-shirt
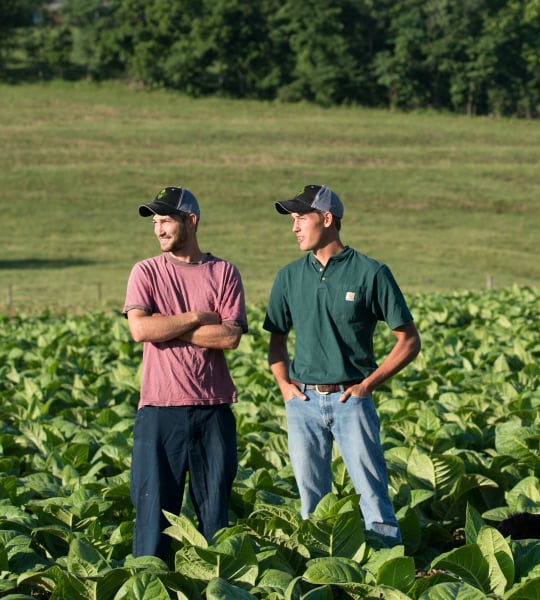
187, 307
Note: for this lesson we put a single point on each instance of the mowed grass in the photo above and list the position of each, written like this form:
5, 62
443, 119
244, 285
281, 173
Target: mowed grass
446, 201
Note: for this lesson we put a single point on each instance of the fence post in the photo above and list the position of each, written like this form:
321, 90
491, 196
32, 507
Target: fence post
489, 282
9, 295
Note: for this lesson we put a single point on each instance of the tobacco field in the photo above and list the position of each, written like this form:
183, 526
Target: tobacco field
460, 428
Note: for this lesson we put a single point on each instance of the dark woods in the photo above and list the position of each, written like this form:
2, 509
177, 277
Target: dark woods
479, 57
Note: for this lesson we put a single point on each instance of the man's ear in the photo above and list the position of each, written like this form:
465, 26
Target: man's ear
328, 219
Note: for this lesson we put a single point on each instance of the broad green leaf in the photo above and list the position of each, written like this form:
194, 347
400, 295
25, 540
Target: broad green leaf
76, 454
436, 472
55, 538
335, 570
398, 573
316, 535
528, 488
420, 496
9, 586
53, 511
220, 589
142, 586
516, 440
330, 505
183, 530
347, 538
385, 592
275, 578
84, 559
70, 477
379, 557
398, 457
526, 555
467, 563
8, 487
340, 476
321, 593
500, 559
23, 558
237, 560
411, 529
75, 587
278, 519
4, 563
44, 484
427, 581
197, 563
294, 589
16, 517
260, 479
47, 579
428, 421
123, 534
501, 365
530, 590
110, 582
146, 563
468, 488
473, 524
453, 591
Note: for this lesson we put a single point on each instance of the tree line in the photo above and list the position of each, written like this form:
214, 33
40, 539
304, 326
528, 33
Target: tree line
465, 56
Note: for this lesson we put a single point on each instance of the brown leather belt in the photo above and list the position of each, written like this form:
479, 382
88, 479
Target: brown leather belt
325, 388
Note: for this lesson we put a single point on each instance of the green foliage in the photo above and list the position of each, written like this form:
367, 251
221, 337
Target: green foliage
476, 57
461, 433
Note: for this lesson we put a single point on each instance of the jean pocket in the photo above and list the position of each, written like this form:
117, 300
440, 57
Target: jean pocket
292, 399
358, 399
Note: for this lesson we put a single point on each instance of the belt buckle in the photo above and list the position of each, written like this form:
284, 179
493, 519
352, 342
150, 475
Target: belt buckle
319, 391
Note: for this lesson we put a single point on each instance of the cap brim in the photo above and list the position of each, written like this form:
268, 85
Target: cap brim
156, 208
286, 207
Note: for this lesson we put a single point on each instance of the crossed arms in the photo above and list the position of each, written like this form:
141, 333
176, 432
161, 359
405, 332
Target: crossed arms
201, 328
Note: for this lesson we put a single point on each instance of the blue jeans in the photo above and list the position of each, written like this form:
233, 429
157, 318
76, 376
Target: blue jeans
313, 425
169, 442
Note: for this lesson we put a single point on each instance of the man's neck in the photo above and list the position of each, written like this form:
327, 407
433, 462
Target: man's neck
324, 254
193, 256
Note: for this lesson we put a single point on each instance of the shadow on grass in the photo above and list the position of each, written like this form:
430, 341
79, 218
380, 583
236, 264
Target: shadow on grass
41, 263
21, 72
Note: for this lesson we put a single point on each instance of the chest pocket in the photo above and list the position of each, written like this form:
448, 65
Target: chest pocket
350, 304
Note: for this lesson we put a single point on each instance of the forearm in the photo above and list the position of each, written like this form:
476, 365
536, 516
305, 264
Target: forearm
160, 328
392, 364
278, 359
406, 348
220, 337
280, 370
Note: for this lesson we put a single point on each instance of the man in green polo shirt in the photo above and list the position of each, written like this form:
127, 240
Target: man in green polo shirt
333, 298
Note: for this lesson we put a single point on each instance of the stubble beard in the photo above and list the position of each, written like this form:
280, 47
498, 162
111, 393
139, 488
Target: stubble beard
174, 244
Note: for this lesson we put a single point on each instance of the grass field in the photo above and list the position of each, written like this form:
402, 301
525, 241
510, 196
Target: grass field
446, 201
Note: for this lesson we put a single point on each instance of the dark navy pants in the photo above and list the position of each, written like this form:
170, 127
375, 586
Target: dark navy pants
169, 442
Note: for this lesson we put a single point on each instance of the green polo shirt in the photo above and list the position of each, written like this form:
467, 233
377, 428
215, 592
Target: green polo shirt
333, 311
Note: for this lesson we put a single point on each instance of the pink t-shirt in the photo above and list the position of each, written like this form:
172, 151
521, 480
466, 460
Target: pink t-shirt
176, 373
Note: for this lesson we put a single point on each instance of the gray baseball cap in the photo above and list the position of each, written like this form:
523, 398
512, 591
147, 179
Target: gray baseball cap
171, 200
312, 197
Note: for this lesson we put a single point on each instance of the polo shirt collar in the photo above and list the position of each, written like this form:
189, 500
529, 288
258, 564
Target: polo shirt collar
340, 256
